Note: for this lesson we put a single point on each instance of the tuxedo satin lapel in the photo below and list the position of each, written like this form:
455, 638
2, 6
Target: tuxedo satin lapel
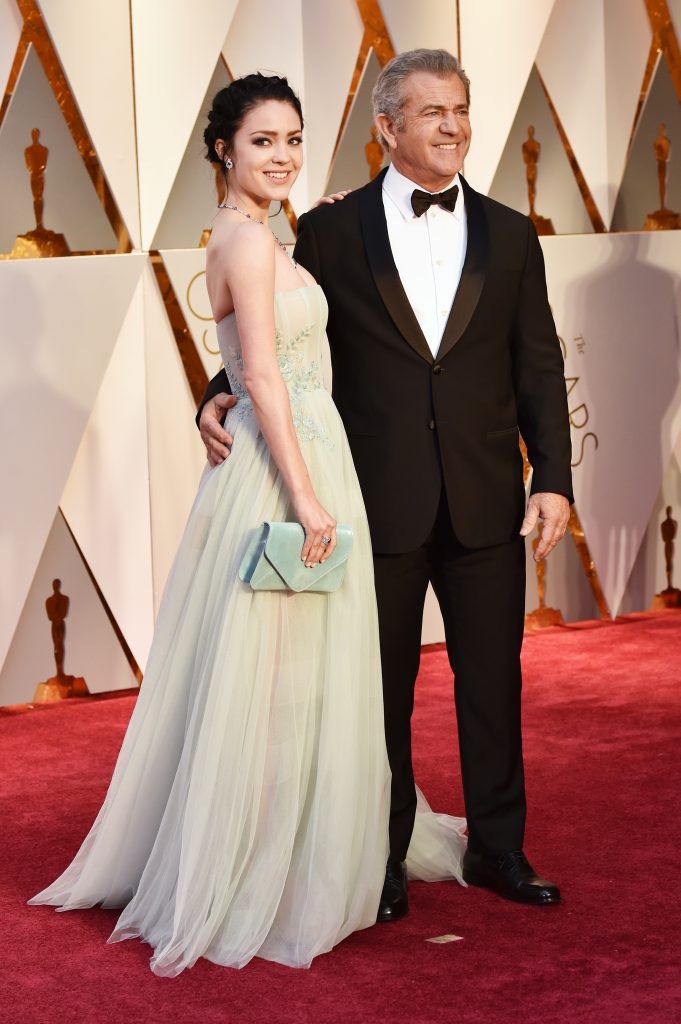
379, 254
472, 275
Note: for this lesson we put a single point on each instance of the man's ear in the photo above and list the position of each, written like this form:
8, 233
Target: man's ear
387, 129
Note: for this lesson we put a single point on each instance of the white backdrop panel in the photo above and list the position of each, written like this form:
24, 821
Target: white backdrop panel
328, 74
94, 47
176, 454
106, 498
433, 628
577, 27
611, 40
627, 43
61, 319
350, 168
92, 648
497, 55
431, 23
175, 49
616, 303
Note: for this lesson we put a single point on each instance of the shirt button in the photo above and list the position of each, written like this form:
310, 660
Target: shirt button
437, 368
439, 263
444, 312
431, 425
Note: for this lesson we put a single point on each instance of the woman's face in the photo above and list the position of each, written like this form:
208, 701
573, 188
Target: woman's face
267, 152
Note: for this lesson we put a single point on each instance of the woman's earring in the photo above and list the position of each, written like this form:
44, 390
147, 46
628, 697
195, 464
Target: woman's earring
228, 164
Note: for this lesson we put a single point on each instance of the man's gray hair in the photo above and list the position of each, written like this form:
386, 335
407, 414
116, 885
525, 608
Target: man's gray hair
388, 96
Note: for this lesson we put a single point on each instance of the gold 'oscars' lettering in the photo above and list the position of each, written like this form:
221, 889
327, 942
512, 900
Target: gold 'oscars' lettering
199, 316
583, 441
204, 342
201, 273
573, 416
579, 416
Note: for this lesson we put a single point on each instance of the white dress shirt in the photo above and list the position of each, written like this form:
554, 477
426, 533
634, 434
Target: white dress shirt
429, 252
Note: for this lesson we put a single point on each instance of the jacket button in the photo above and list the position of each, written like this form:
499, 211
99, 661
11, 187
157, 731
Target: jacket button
437, 368
431, 425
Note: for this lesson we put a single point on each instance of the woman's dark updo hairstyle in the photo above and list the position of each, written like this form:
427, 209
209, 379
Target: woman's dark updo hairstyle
232, 103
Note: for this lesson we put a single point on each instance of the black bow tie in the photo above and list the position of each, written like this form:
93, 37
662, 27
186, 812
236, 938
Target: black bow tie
422, 201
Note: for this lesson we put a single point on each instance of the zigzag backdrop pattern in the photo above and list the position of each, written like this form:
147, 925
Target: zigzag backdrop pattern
113, 349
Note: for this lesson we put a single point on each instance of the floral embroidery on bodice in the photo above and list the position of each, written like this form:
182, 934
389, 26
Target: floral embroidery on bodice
300, 321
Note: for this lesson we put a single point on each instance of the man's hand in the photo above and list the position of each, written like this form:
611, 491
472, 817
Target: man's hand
217, 441
554, 512
336, 197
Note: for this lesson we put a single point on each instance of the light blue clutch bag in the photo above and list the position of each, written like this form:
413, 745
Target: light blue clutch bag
272, 561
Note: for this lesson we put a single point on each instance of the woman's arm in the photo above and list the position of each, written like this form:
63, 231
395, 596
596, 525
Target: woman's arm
249, 269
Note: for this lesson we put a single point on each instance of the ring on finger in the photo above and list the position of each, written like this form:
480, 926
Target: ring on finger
326, 540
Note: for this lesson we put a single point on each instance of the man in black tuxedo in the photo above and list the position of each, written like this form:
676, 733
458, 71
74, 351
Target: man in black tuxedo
443, 348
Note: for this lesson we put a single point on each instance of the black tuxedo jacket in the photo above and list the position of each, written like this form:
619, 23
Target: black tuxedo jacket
416, 423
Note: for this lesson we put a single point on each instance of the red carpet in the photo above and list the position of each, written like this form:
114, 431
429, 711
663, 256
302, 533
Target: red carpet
602, 728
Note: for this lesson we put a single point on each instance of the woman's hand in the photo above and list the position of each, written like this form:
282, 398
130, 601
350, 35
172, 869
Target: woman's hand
318, 524
330, 200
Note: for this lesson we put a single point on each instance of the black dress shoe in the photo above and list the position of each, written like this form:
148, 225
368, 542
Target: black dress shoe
510, 875
394, 903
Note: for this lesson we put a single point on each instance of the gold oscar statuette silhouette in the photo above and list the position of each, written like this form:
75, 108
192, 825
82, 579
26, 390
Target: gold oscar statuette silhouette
671, 595
531, 152
542, 616
59, 686
374, 153
662, 219
40, 241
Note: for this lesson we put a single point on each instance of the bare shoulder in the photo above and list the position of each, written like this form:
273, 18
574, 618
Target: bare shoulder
251, 251
245, 244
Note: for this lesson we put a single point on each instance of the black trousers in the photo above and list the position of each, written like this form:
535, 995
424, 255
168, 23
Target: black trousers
481, 594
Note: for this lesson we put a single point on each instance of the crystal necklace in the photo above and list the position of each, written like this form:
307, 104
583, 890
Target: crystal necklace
230, 206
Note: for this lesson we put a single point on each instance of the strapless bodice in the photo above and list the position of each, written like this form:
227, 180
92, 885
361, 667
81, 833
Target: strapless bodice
300, 316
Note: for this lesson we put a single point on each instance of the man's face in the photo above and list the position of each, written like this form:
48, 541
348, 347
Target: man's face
436, 134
